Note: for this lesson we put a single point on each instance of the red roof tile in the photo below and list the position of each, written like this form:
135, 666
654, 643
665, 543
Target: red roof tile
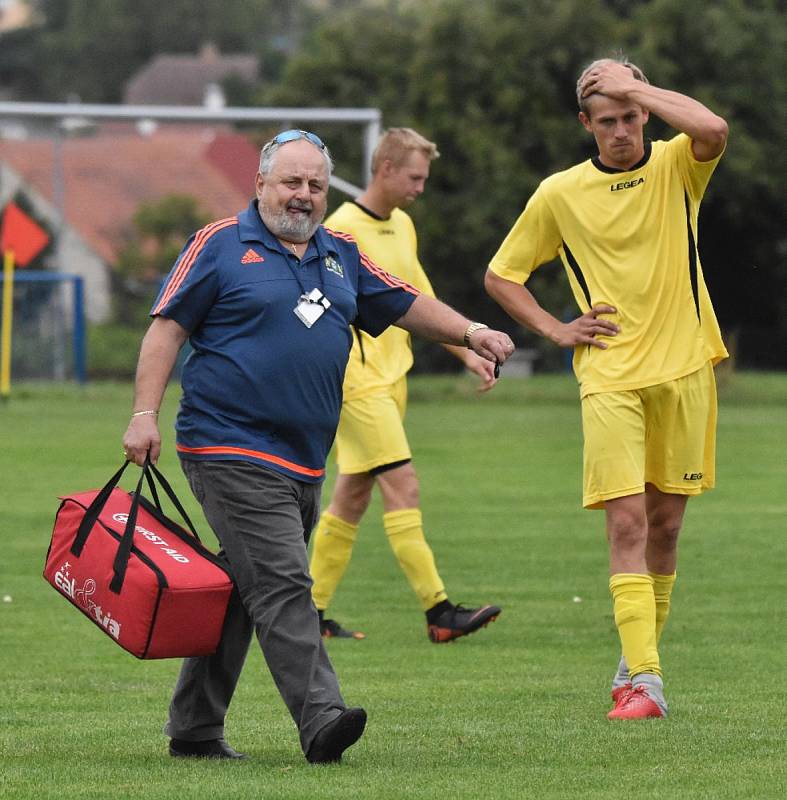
109, 175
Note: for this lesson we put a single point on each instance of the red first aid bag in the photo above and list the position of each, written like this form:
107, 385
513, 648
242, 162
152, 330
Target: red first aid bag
145, 581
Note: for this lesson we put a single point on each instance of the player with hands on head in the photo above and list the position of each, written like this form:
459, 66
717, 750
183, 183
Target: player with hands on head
624, 224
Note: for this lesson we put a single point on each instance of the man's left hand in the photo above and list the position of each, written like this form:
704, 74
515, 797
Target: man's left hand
494, 346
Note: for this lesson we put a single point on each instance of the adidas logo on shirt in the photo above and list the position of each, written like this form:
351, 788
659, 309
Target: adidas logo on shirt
250, 257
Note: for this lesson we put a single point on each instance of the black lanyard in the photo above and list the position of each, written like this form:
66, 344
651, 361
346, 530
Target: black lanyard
294, 271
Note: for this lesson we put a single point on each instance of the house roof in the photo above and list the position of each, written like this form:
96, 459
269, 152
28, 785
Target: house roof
170, 79
107, 177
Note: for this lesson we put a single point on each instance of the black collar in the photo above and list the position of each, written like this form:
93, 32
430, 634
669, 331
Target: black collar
614, 170
369, 211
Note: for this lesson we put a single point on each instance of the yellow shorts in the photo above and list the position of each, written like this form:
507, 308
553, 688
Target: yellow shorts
371, 430
664, 435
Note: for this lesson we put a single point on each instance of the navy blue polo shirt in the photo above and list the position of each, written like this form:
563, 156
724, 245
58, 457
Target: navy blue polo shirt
259, 385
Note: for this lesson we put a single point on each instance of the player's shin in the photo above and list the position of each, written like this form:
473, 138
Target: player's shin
333, 545
406, 536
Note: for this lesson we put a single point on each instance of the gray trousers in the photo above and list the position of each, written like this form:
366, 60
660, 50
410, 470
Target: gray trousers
262, 520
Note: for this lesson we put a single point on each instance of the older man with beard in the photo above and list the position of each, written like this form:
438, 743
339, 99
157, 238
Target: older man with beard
267, 299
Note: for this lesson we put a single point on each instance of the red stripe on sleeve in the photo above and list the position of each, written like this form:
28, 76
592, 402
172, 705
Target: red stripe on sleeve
386, 277
339, 235
189, 257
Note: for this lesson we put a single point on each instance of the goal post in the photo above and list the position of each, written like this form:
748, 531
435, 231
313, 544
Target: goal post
49, 326
49, 308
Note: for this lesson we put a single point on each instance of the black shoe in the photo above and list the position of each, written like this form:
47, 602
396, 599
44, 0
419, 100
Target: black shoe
208, 748
458, 621
337, 736
331, 629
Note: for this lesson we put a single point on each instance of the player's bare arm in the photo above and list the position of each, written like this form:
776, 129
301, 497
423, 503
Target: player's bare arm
157, 357
434, 320
475, 364
707, 130
521, 305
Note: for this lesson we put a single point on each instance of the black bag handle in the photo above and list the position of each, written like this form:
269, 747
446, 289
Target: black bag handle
94, 510
170, 492
127, 539
153, 492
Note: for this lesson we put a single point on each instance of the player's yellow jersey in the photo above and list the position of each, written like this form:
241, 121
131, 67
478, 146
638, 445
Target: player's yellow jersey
392, 244
629, 239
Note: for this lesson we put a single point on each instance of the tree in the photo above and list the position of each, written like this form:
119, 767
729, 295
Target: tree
493, 84
160, 229
90, 48
734, 57
361, 55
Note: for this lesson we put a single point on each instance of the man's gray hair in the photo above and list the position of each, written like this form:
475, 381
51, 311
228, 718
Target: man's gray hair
635, 70
269, 151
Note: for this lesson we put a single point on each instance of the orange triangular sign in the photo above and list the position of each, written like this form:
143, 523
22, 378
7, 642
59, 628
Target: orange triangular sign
22, 235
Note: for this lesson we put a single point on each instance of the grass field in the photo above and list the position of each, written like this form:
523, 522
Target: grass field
516, 711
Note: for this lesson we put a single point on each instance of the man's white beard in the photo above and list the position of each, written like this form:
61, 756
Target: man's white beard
291, 229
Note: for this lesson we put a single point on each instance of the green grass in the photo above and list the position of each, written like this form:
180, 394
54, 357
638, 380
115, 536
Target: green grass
517, 710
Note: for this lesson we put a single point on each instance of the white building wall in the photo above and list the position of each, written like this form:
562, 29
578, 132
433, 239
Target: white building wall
70, 253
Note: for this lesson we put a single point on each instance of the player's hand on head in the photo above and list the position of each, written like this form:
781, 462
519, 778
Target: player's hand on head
610, 78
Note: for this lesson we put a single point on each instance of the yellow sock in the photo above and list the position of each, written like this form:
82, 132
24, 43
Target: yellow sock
405, 533
333, 546
635, 616
662, 589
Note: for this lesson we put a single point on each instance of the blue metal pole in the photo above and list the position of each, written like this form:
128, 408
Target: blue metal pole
80, 348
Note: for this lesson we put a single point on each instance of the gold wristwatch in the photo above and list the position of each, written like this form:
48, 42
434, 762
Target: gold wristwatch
471, 329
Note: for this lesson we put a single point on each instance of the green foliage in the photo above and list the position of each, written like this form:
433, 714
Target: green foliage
361, 56
92, 47
167, 221
514, 711
112, 349
734, 58
493, 84
160, 229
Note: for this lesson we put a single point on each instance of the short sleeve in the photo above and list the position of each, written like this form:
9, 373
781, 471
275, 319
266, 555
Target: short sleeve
421, 280
534, 240
382, 297
191, 288
694, 174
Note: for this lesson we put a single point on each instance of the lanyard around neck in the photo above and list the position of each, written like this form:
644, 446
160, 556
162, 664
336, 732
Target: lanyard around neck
294, 270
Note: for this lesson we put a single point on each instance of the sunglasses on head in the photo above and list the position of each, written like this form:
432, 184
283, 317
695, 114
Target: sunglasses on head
296, 133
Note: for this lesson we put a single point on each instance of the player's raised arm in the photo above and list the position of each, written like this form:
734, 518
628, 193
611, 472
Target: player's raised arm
708, 131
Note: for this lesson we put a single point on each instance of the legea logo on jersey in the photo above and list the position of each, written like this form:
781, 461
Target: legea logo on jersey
81, 596
332, 265
616, 187
154, 538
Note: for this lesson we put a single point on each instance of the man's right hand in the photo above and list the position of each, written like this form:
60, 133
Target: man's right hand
585, 329
142, 435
